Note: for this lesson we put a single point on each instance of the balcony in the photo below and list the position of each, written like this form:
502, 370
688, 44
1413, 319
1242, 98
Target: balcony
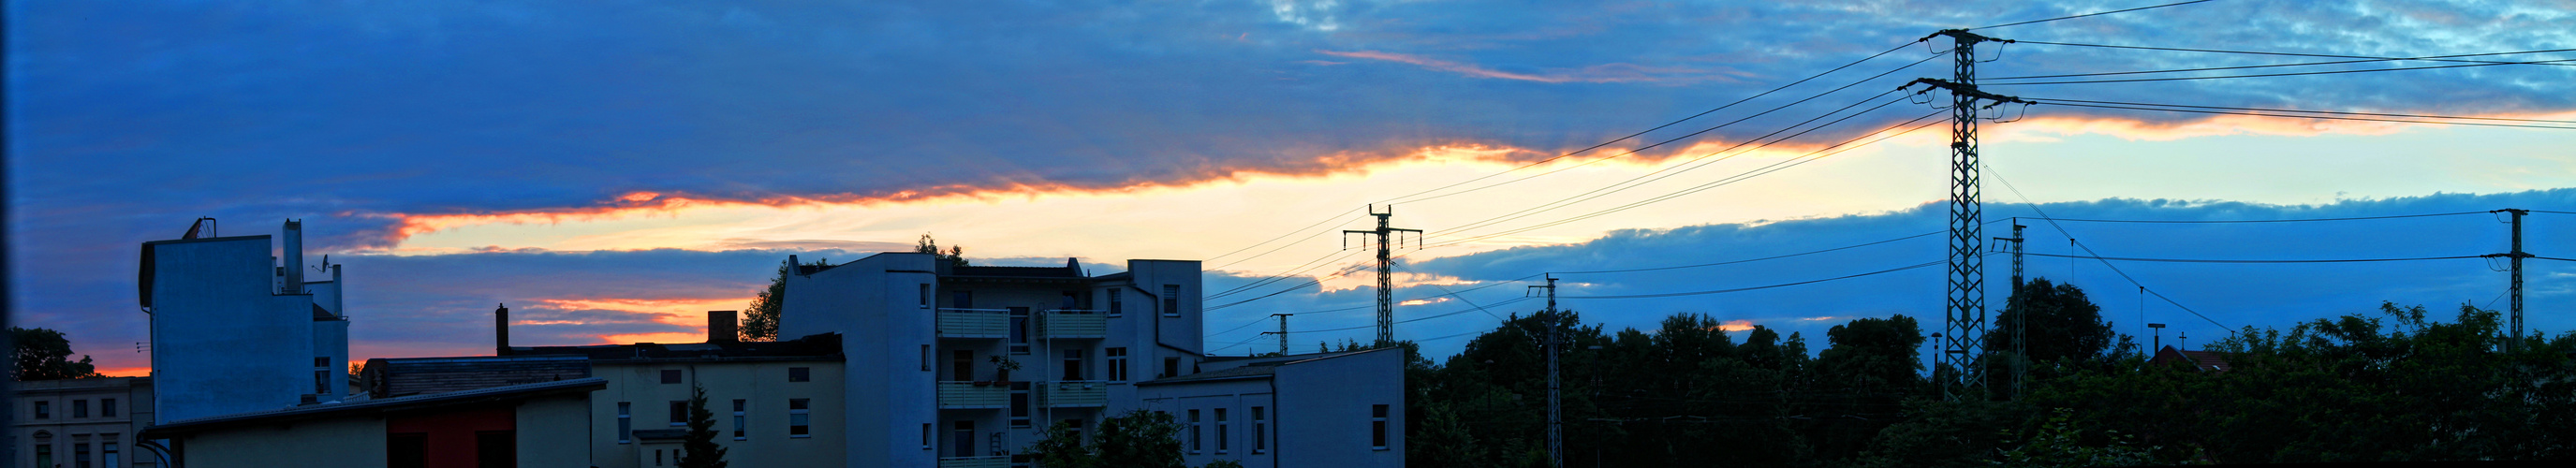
1073, 394
1074, 324
975, 462
954, 394
974, 323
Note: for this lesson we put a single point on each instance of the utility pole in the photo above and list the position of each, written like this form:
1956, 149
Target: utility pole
2021, 316
1964, 320
1386, 240
2514, 342
1555, 423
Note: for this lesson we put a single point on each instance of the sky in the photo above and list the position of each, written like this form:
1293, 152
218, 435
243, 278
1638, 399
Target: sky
612, 170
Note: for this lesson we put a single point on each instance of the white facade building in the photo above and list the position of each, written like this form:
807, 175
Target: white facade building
938, 341
235, 329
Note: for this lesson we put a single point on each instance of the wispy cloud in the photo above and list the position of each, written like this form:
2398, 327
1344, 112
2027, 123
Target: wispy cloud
1605, 73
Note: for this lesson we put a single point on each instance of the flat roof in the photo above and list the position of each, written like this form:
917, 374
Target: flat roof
379, 406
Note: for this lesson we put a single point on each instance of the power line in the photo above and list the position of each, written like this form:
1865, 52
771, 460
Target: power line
1310, 265
1310, 282
2195, 260
2419, 116
1658, 127
1781, 285
2555, 258
2070, 239
1785, 164
2268, 75
2092, 14
2062, 103
2246, 52
1749, 260
2216, 221
2436, 58
1276, 239
2555, 212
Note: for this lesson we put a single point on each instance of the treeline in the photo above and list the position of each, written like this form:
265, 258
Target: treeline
2391, 385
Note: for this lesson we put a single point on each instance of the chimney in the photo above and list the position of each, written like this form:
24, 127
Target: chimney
501, 330
721, 327
294, 250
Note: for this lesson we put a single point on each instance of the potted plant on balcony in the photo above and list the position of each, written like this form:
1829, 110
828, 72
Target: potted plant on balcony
1002, 367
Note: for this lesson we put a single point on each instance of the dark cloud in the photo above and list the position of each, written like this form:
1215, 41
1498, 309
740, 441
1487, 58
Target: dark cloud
2236, 295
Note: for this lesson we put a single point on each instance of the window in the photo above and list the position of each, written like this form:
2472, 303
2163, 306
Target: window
44, 410
1194, 431
1171, 367
107, 407
800, 374
80, 455
1020, 405
738, 407
322, 361
1117, 358
625, 422
1072, 365
80, 408
925, 295
1221, 444
1019, 330
926, 431
670, 376
680, 413
1117, 301
1260, 431
322, 382
1171, 300
496, 448
657, 458
407, 450
797, 417
44, 455
964, 438
1377, 427
1072, 300
925, 358
107, 452
961, 299
962, 364
1073, 427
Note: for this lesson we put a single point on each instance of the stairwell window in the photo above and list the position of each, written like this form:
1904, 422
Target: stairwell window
738, 407
798, 415
1194, 432
625, 422
1171, 300
1221, 439
1260, 432
1377, 427
1117, 301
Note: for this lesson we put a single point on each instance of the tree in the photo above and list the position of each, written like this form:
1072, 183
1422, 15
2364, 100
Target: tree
1140, 438
761, 322
2064, 324
44, 354
698, 448
955, 256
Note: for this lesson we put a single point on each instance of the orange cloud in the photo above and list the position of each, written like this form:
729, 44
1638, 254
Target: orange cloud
1416, 302
1734, 325
1606, 73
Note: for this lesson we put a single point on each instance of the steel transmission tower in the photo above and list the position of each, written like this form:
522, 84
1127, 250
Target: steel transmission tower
1555, 423
1386, 238
1964, 320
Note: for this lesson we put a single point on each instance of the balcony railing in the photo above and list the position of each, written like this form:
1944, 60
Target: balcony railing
975, 462
954, 394
974, 323
1074, 324
1073, 394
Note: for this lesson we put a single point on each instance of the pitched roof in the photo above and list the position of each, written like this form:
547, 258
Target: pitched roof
2202, 360
380, 406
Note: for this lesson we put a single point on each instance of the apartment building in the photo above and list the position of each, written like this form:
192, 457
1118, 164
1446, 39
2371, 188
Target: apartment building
775, 403
81, 422
977, 361
237, 326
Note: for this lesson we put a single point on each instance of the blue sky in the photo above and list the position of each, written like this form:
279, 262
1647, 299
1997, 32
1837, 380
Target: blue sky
588, 150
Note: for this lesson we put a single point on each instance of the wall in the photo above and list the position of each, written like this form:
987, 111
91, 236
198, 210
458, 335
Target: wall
1326, 404
222, 341
66, 430
355, 442
761, 382
1237, 397
553, 431
876, 306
